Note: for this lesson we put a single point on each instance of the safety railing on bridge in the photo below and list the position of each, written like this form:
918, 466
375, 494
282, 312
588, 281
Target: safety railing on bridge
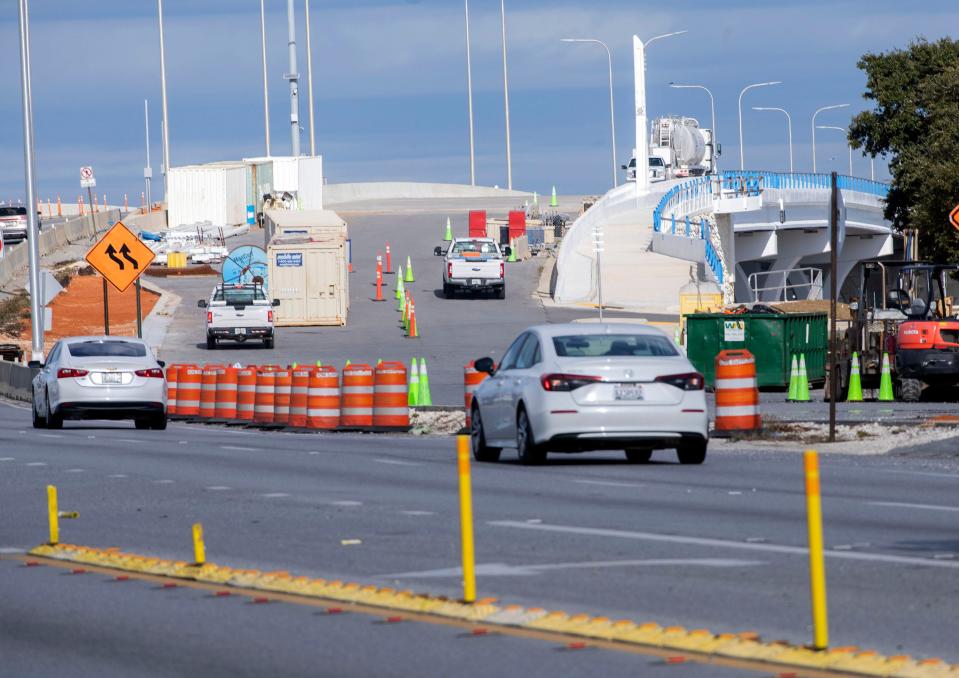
682, 200
752, 182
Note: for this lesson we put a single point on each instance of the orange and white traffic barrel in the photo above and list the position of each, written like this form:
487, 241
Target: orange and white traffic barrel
471, 379
227, 385
189, 381
323, 399
299, 396
208, 390
390, 396
264, 403
281, 402
245, 392
356, 410
171, 387
737, 395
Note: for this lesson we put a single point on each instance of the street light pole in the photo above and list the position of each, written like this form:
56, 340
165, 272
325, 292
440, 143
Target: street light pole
166, 119
294, 79
846, 132
148, 170
29, 173
469, 93
309, 78
509, 157
742, 159
789, 126
266, 94
639, 94
818, 111
612, 114
712, 111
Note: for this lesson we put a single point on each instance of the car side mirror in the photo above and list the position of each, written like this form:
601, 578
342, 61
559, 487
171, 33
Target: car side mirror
35, 364
719, 149
507, 251
276, 302
437, 251
485, 365
161, 363
201, 303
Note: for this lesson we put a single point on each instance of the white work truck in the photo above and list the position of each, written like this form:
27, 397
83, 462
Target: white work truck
474, 265
239, 312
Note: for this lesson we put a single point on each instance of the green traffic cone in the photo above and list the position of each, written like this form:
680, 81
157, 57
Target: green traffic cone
794, 380
885, 381
425, 399
319, 363
379, 361
409, 270
294, 366
535, 198
855, 381
803, 379
348, 363
512, 252
401, 305
413, 395
553, 202
449, 230
399, 282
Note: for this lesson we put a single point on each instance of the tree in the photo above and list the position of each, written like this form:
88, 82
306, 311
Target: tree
916, 123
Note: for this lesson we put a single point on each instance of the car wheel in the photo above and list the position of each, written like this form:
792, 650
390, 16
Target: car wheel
481, 451
447, 291
38, 421
527, 450
53, 420
638, 455
910, 390
210, 343
501, 292
158, 423
692, 451
141, 424
268, 343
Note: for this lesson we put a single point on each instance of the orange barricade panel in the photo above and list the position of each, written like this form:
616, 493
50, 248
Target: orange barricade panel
299, 395
390, 396
323, 399
357, 400
737, 395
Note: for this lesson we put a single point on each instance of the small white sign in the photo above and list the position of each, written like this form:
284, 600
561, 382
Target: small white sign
734, 330
87, 179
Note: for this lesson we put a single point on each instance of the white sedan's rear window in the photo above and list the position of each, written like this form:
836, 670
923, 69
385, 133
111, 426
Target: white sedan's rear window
111, 348
610, 345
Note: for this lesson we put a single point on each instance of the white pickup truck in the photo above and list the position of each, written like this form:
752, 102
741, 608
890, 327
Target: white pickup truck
474, 265
239, 312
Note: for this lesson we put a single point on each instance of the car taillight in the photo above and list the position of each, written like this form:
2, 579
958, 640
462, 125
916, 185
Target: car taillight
70, 373
449, 270
209, 316
566, 382
502, 270
269, 316
154, 372
690, 381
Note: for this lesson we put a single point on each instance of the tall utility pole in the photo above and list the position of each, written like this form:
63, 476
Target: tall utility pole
148, 169
612, 107
266, 94
166, 119
833, 295
309, 78
29, 173
509, 156
469, 94
294, 79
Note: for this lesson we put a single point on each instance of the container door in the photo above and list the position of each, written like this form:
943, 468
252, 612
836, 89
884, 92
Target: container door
324, 285
288, 283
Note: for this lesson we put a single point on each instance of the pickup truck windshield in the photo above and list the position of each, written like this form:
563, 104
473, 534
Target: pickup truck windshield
239, 296
467, 247
13, 211
608, 345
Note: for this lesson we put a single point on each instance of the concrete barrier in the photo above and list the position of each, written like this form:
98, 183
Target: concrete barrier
334, 194
15, 381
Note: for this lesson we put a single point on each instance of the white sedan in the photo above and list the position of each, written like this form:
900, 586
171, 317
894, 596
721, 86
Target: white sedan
590, 386
100, 378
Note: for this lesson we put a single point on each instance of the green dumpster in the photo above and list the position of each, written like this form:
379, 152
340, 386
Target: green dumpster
773, 338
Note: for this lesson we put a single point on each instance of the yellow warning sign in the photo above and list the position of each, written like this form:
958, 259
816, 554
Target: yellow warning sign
120, 256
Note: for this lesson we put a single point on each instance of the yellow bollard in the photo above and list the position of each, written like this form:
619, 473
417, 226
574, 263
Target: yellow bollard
199, 548
817, 564
53, 514
466, 519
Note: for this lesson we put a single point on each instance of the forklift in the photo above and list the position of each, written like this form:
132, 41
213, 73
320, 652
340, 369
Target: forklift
902, 309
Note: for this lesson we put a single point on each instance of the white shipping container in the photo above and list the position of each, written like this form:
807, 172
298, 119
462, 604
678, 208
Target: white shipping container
310, 280
310, 183
313, 223
285, 174
214, 193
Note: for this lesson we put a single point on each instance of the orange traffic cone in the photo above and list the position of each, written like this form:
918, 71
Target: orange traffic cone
59, 207
413, 333
80, 204
126, 205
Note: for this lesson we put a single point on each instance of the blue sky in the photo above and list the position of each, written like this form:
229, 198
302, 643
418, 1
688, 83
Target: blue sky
390, 90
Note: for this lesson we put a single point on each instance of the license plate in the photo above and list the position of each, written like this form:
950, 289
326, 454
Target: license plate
476, 281
241, 330
112, 378
628, 392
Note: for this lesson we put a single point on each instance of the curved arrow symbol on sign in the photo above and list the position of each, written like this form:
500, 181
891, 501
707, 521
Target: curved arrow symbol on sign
125, 251
112, 253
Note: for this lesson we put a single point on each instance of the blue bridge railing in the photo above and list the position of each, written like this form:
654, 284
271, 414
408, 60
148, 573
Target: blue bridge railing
753, 181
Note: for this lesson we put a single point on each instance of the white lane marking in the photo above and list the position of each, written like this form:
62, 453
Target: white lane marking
117, 475
723, 543
240, 449
734, 492
10, 549
36, 463
132, 441
928, 474
395, 462
274, 495
8, 458
313, 452
165, 481
91, 437
504, 570
49, 435
346, 502
924, 507
73, 470
181, 442
219, 488
418, 513
608, 483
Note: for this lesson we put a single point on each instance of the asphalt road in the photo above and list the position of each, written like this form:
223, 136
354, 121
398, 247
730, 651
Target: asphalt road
719, 546
453, 331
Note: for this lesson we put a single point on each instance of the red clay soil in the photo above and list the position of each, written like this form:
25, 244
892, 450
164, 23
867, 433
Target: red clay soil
78, 310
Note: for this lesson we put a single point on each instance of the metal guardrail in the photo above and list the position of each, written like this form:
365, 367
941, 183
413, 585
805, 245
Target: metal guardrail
812, 283
757, 180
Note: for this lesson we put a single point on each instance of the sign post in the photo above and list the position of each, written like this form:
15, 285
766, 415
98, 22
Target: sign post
120, 257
